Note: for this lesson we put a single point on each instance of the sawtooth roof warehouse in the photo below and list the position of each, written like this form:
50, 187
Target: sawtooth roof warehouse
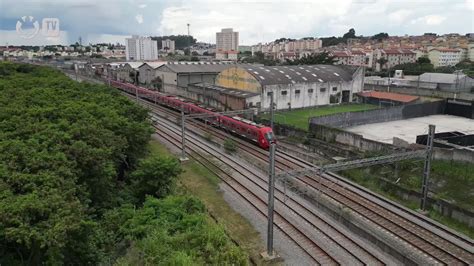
294, 86
237, 86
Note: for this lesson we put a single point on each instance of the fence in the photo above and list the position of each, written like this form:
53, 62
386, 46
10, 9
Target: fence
380, 115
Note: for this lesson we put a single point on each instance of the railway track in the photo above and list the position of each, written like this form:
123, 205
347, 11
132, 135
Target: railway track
428, 239
354, 252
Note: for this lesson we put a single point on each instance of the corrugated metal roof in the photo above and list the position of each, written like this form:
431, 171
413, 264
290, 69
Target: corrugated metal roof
197, 67
389, 96
233, 92
155, 64
270, 75
134, 65
441, 78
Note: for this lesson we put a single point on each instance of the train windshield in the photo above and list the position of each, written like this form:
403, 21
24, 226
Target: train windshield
269, 136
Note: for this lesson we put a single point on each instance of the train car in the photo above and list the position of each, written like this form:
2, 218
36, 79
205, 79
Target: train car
256, 133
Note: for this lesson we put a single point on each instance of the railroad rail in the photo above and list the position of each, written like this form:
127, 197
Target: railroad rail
427, 237
355, 252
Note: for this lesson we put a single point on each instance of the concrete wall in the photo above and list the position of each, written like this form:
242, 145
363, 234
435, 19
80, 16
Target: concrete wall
380, 115
424, 92
453, 155
189, 78
301, 95
331, 134
444, 207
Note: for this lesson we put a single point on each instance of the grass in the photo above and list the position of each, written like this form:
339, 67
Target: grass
299, 118
451, 181
201, 183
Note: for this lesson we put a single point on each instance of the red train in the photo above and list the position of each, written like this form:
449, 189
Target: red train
259, 134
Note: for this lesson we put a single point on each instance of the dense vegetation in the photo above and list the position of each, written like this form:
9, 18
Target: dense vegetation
78, 186
451, 181
180, 41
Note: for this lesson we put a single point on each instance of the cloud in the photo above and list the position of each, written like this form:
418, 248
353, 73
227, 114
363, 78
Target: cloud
430, 20
139, 18
257, 21
470, 4
399, 16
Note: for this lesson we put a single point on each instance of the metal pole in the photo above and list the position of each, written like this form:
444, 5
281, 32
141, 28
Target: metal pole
136, 94
271, 111
271, 189
183, 137
427, 167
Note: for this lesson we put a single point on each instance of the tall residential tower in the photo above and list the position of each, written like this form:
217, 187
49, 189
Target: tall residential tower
227, 44
140, 48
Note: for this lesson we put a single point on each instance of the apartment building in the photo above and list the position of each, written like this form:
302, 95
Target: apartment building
440, 57
168, 46
227, 41
140, 48
393, 57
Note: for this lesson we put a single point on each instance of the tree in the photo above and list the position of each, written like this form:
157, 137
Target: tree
423, 60
380, 36
181, 41
63, 147
155, 176
350, 34
330, 41
382, 61
173, 231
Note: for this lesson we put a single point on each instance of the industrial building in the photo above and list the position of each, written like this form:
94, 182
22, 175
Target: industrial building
383, 98
177, 75
147, 74
294, 86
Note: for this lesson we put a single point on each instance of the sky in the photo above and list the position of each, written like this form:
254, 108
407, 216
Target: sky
256, 21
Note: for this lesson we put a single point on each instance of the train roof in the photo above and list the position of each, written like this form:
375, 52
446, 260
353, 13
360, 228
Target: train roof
246, 121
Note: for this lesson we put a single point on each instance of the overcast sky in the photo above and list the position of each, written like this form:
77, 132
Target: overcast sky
257, 21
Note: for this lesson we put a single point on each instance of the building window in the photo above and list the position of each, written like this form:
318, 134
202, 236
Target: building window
310, 90
334, 89
284, 93
297, 91
322, 90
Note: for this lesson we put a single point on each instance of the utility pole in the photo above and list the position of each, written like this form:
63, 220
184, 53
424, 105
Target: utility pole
183, 137
271, 110
427, 167
271, 199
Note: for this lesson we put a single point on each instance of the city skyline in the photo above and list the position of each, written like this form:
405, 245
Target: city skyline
109, 21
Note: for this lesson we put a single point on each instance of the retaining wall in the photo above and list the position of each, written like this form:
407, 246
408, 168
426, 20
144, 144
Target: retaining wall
332, 134
445, 208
